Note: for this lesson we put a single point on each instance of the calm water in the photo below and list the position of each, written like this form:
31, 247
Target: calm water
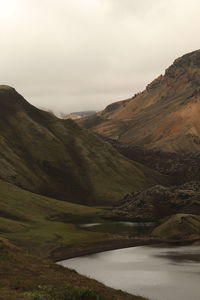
171, 273
124, 228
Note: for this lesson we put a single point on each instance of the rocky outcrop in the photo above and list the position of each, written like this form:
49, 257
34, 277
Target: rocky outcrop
116, 105
158, 202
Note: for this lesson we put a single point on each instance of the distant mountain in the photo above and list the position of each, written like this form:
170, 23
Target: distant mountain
78, 115
164, 116
53, 157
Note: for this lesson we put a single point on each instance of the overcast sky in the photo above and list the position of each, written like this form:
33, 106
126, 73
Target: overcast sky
73, 55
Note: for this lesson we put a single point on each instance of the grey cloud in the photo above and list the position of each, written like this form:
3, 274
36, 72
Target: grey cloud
72, 55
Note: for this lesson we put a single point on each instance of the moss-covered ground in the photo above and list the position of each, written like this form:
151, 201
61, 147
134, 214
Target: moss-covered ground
40, 224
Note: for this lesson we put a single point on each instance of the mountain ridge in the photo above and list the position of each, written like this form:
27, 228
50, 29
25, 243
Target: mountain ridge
163, 116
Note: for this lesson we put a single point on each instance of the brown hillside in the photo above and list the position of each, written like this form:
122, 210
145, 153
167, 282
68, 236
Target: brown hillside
165, 115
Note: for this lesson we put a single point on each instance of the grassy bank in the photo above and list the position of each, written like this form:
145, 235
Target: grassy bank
27, 277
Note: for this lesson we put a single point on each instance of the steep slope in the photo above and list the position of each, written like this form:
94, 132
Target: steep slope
165, 115
57, 158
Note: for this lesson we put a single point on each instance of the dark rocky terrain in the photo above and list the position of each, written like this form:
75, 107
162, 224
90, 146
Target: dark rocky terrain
158, 202
179, 167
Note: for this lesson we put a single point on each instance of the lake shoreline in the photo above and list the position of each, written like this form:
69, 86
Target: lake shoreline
64, 253
166, 271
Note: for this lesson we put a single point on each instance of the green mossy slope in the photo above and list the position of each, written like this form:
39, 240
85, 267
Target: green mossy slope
56, 158
41, 224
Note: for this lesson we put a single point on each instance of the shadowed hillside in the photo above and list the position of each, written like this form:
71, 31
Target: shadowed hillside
164, 116
57, 158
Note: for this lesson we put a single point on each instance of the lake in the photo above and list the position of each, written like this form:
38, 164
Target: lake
160, 273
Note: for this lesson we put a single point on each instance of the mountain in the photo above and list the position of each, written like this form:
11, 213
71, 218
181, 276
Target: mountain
164, 116
46, 155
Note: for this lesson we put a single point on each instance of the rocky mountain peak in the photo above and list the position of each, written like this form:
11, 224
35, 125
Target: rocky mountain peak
188, 64
189, 59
